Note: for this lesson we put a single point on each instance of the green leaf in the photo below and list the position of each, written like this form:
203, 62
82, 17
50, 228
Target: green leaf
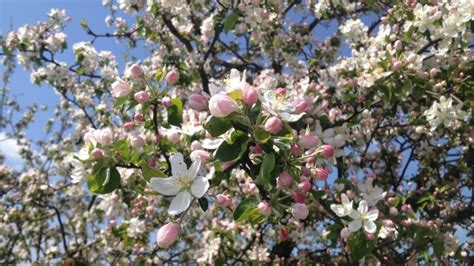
217, 126
175, 112
120, 101
360, 246
232, 151
84, 24
438, 248
240, 121
261, 135
266, 169
230, 21
103, 180
244, 209
149, 172
203, 203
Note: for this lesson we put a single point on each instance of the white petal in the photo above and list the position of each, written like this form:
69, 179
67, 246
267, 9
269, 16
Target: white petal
345, 199
363, 207
339, 210
178, 166
355, 225
372, 215
211, 144
199, 186
354, 214
291, 117
164, 186
194, 169
180, 203
370, 226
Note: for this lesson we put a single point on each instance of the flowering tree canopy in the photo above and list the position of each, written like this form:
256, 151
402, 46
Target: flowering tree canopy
246, 136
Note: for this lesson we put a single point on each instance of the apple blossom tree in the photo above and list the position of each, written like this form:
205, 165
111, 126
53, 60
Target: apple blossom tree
245, 136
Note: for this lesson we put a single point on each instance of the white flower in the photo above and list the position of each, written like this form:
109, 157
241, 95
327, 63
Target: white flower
354, 30
443, 112
135, 227
343, 209
279, 106
363, 217
234, 83
370, 193
183, 184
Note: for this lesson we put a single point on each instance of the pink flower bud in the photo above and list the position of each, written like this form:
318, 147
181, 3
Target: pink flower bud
406, 223
204, 155
327, 151
298, 197
135, 70
305, 171
274, 125
257, 150
396, 65
158, 138
285, 180
264, 208
138, 117
172, 77
345, 233
120, 88
305, 186
300, 211
141, 97
166, 101
281, 91
308, 141
197, 102
321, 173
221, 105
128, 125
300, 105
407, 208
295, 149
97, 153
151, 162
137, 142
223, 200
370, 236
433, 72
249, 95
398, 45
167, 235
195, 145
283, 234
173, 137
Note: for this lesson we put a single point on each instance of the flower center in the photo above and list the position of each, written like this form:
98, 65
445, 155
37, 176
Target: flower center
182, 181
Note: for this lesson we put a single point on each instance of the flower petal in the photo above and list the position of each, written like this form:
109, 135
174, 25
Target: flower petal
355, 225
363, 206
180, 203
354, 214
194, 169
164, 186
372, 215
370, 226
178, 166
199, 186
339, 210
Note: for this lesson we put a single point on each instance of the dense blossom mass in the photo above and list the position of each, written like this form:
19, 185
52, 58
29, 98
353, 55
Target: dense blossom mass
252, 131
